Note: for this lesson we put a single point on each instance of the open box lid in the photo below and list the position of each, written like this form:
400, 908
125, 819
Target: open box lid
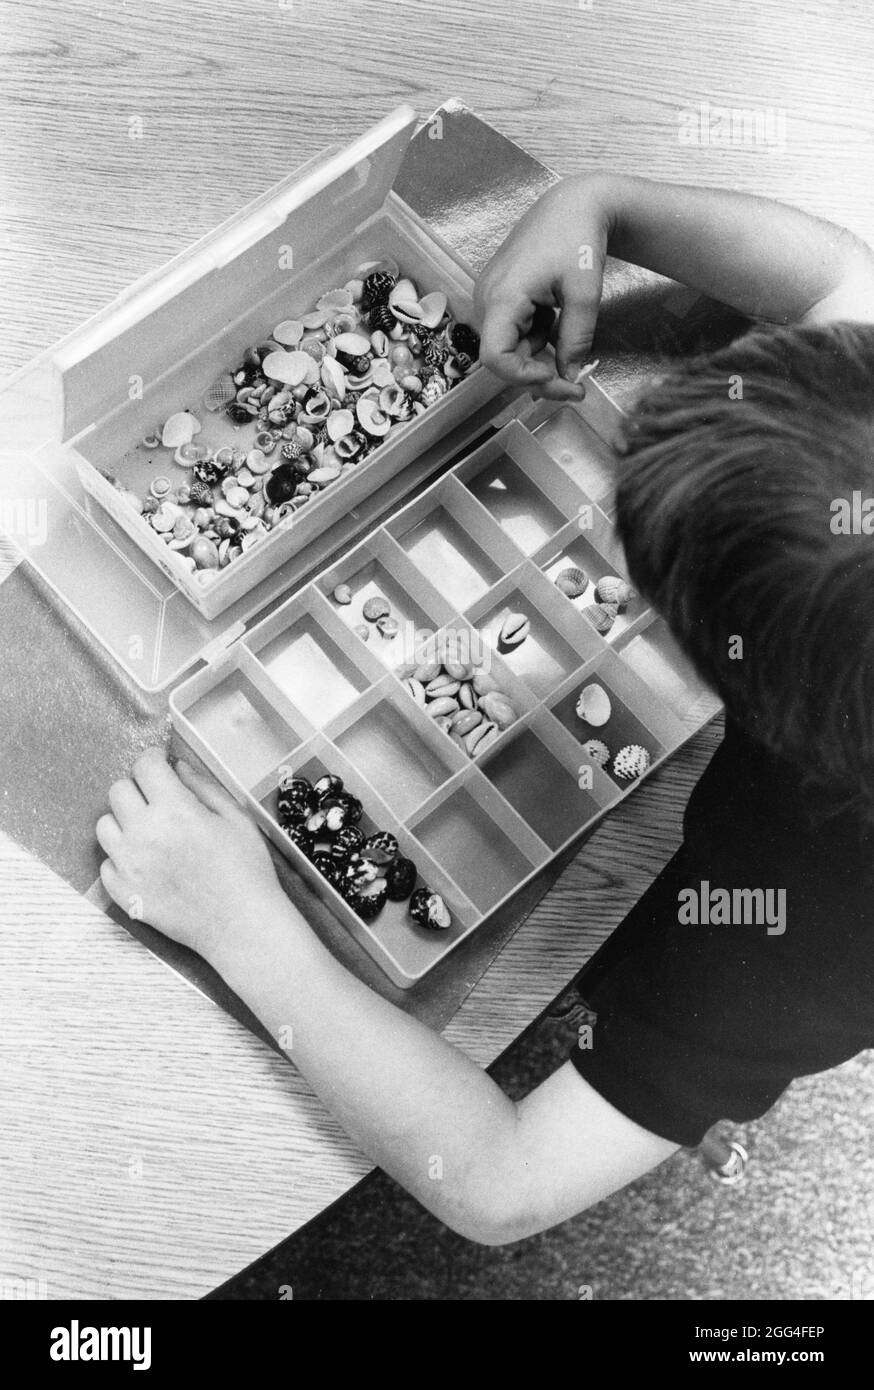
204, 288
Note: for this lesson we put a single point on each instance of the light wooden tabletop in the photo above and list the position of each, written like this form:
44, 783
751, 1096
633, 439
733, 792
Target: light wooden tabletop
149, 1145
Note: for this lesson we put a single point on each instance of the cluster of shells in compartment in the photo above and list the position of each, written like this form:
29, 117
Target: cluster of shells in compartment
314, 399
322, 819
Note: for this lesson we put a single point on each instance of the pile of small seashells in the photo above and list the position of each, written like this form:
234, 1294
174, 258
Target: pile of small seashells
320, 395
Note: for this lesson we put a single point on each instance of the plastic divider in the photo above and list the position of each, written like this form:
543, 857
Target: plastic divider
494, 849
397, 747
560, 638
582, 453
454, 541
305, 651
380, 567
510, 476
237, 720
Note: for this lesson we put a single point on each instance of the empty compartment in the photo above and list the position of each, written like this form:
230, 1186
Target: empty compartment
301, 649
558, 642
510, 476
541, 784
656, 658
379, 569
634, 718
582, 454
404, 757
239, 724
479, 841
591, 546
453, 543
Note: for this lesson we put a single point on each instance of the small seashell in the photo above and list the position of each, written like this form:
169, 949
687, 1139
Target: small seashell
313, 347
342, 594
405, 291
375, 608
224, 508
204, 553
379, 343
572, 582
393, 401
593, 705
355, 288
412, 382
458, 670
613, 590
432, 307
381, 373
150, 441
389, 627
428, 909
442, 685
373, 420
160, 488
362, 631
498, 709
288, 333
631, 761
317, 408
601, 615
349, 445
179, 429
466, 697
257, 463
464, 721
164, 518
514, 629
237, 497
446, 704
345, 322
597, 751
352, 344
245, 477
321, 477
434, 389
290, 368
314, 319
339, 424
416, 689
334, 300
483, 683
426, 671
333, 377
481, 737
220, 392
187, 455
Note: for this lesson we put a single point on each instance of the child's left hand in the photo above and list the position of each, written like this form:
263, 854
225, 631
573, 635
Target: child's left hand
183, 856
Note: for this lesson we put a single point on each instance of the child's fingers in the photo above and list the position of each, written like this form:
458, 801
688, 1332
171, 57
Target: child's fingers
208, 792
501, 347
576, 329
108, 833
154, 776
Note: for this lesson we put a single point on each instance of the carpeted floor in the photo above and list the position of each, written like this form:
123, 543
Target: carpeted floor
800, 1227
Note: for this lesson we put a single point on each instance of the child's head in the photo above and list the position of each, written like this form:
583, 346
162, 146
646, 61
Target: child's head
734, 462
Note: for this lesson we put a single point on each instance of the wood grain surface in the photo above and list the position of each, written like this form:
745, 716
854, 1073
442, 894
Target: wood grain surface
148, 1144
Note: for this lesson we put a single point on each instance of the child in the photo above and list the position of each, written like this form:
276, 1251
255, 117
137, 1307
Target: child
725, 510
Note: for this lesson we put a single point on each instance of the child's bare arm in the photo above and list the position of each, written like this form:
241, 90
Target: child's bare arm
761, 257
493, 1170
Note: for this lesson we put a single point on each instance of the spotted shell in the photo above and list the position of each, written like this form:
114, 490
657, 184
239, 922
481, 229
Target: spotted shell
631, 761
597, 751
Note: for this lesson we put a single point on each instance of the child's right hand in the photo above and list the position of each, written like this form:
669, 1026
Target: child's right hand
552, 259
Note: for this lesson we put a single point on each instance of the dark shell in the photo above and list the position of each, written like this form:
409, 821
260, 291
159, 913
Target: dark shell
292, 450
200, 494
359, 872
354, 364
348, 806
347, 842
238, 413
328, 785
300, 836
400, 879
381, 848
329, 869
227, 526
381, 316
426, 908
377, 287
209, 471
368, 905
434, 354
281, 484
295, 801
463, 338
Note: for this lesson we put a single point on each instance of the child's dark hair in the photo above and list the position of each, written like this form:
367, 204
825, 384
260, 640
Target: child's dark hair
725, 510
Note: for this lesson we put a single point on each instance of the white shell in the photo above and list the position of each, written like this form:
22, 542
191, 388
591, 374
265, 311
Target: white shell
593, 705
179, 429
257, 462
432, 307
371, 418
407, 310
381, 372
320, 477
290, 368
356, 344
333, 301
288, 333
355, 288
392, 399
333, 377
404, 292
339, 423
379, 342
